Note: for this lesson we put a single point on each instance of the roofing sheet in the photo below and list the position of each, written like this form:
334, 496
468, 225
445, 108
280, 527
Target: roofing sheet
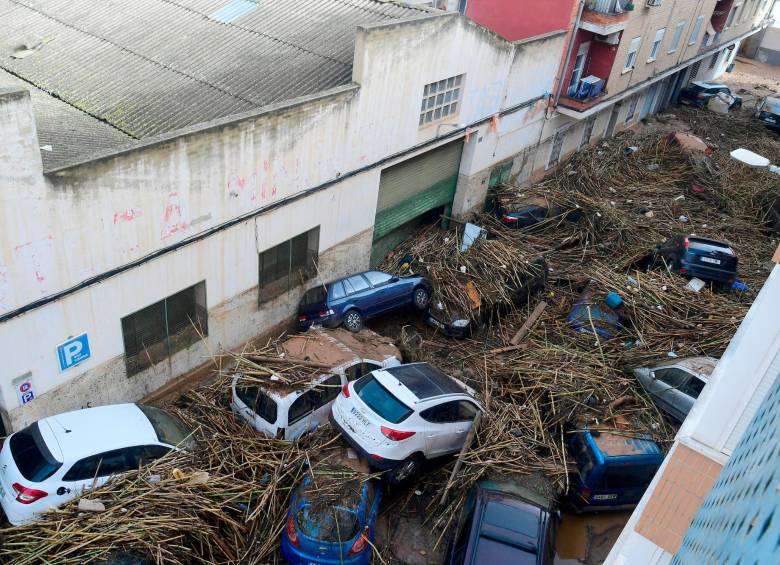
149, 67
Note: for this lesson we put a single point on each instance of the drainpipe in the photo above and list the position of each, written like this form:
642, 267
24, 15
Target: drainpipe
569, 50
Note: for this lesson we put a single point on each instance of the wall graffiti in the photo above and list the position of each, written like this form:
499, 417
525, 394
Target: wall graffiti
37, 258
173, 217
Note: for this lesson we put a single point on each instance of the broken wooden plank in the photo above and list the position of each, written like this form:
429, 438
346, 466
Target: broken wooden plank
529, 323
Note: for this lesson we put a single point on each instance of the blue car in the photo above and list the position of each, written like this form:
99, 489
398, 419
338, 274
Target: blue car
320, 530
351, 300
693, 256
613, 470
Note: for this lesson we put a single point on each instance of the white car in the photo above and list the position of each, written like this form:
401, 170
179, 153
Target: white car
284, 412
398, 417
55, 459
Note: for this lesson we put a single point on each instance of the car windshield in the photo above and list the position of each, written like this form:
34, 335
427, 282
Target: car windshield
314, 296
584, 456
169, 428
327, 523
33, 458
379, 399
709, 246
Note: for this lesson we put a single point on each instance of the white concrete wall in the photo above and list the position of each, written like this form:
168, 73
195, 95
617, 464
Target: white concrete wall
61, 229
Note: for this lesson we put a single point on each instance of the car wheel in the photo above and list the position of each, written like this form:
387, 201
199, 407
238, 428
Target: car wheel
353, 321
421, 298
405, 471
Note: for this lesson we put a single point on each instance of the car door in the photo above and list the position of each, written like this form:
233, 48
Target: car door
299, 414
386, 295
449, 424
94, 471
690, 392
666, 390
361, 294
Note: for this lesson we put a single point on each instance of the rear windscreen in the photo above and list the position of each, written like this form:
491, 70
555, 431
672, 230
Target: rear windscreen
379, 399
328, 523
709, 246
314, 296
32, 457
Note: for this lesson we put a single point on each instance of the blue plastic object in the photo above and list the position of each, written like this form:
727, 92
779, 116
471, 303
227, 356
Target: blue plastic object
737, 285
613, 300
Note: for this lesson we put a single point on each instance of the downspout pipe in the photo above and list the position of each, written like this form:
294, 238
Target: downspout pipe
569, 51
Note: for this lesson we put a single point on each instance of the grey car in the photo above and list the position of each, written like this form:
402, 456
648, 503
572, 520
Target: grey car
676, 384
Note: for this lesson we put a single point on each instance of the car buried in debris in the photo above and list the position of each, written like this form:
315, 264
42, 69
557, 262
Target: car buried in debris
330, 359
699, 257
55, 459
698, 94
675, 385
399, 417
353, 299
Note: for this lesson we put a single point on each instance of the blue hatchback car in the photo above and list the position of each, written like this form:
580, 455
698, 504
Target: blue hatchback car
351, 300
320, 530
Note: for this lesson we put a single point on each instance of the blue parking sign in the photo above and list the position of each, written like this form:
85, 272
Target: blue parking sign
73, 351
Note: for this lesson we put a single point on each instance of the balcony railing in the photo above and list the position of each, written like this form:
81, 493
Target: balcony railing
606, 6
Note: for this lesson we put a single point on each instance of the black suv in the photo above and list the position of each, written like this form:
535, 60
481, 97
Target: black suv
699, 93
698, 257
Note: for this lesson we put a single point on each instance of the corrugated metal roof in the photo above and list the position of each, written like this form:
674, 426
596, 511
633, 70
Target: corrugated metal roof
149, 67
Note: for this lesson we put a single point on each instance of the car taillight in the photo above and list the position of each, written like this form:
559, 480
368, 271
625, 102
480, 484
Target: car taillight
683, 270
360, 544
345, 390
325, 313
302, 318
280, 433
377, 457
585, 494
686, 243
700, 96
395, 435
292, 534
27, 495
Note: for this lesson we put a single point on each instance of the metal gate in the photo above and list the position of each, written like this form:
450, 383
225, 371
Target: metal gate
411, 189
647, 107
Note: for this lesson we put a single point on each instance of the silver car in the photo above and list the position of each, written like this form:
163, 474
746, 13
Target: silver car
676, 384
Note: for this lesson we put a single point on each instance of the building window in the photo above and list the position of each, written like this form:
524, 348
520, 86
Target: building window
659, 37
440, 99
579, 67
714, 60
289, 264
557, 145
732, 16
632, 108
696, 30
631, 56
678, 31
160, 330
587, 131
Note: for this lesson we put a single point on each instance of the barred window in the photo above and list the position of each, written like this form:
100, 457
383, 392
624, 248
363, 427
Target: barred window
441, 99
288, 264
165, 327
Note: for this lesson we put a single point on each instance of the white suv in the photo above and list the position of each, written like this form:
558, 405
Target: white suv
54, 459
398, 417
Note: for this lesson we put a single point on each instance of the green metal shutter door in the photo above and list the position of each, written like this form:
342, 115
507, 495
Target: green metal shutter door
412, 188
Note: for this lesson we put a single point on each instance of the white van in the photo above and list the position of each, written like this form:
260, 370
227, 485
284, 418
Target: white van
321, 362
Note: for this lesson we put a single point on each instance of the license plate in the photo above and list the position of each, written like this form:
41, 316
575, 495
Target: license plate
710, 260
362, 419
604, 497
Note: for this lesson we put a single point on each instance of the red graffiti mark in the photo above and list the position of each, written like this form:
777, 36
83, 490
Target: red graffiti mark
273, 191
173, 217
127, 215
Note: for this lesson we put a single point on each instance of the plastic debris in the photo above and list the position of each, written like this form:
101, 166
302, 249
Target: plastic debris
695, 284
88, 505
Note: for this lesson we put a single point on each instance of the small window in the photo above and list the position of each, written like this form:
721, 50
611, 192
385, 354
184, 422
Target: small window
329, 390
696, 30
359, 369
160, 330
378, 278
583, 455
693, 387
632, 108
633, 47
145, 454
452, 411
672, 376
358, 283
678, 31
304, 405
289, 264
258, 401
337, 290
714, 60
655, 47
466, 411
440, 99
101, 465
168, 428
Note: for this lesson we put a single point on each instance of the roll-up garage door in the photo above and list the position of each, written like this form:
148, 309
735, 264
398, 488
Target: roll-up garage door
409, 191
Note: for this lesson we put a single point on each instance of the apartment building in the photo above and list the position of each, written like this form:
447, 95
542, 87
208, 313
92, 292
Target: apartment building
171, 185
624, 60
714, 496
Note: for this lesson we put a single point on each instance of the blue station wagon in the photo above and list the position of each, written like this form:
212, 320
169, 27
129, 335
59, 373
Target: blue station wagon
353, 299
613, 471
328, 532
699, 257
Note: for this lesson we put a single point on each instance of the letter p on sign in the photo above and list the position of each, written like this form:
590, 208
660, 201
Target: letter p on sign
73, 351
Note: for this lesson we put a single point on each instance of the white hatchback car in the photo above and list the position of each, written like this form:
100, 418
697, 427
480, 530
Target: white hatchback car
398, 417
55, 459
288, 412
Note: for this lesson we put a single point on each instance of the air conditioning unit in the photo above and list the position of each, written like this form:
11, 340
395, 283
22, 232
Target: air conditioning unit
611, 39
653, 3
589, 87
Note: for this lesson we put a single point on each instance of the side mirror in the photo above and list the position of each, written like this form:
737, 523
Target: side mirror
652, 375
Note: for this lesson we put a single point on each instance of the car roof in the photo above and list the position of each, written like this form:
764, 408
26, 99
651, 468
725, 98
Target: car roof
615, 445
704, 84
425, 381
702, 366
86, 432
510, 520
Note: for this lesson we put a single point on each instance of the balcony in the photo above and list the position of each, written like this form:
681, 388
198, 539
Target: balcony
606, 17
720, 14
